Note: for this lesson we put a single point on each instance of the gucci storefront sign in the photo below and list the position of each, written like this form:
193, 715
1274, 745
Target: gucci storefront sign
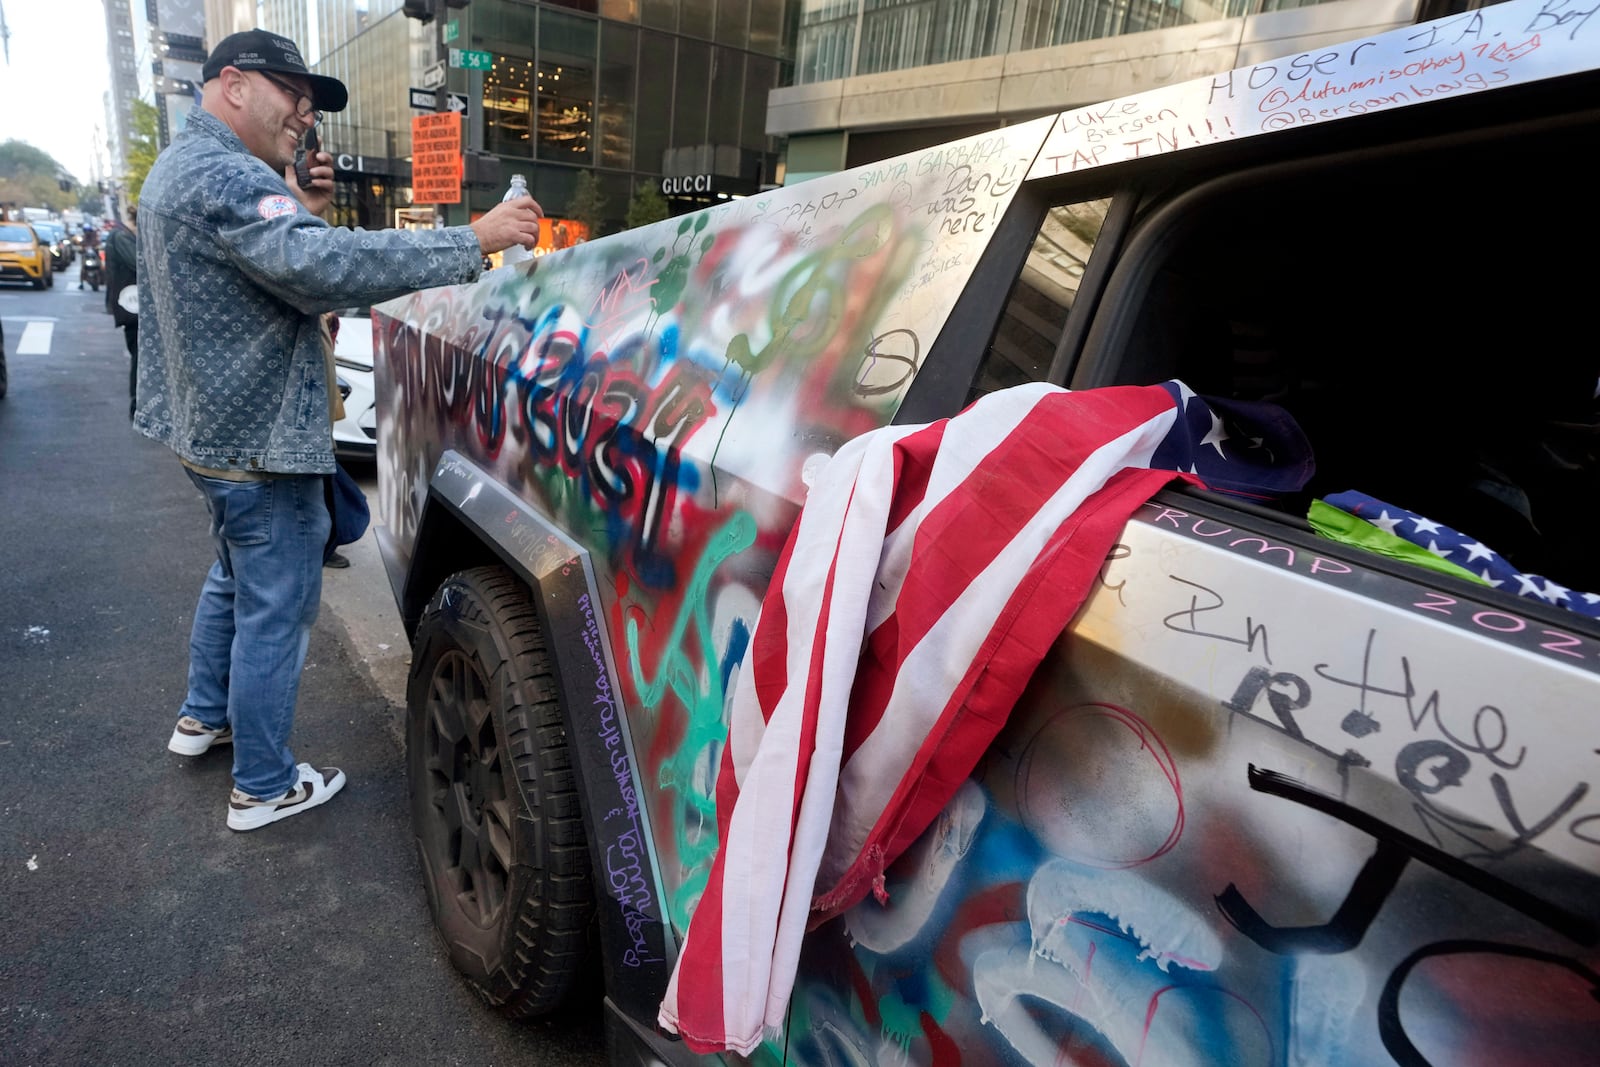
686, 186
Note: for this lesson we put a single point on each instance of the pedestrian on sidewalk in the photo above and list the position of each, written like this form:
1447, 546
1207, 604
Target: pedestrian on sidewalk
122, 278
331, 556
236, 269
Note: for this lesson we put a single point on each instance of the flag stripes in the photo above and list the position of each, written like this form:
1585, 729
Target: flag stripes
930, 572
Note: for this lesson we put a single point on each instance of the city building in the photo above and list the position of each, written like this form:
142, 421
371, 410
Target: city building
875, 78
154, 51
704, 100
122, 57
633, 92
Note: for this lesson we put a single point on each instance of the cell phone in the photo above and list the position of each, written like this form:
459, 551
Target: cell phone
302, 158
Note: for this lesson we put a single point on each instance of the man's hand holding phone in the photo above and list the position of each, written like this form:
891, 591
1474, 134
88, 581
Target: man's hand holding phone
311, 177
309, 145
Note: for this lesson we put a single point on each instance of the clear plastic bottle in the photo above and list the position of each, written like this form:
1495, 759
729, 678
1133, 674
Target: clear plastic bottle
515, 253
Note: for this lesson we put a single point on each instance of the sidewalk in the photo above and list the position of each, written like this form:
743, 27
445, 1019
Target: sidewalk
360, 598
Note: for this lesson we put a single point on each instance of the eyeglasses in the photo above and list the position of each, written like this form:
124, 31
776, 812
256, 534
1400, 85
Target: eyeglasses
302, 102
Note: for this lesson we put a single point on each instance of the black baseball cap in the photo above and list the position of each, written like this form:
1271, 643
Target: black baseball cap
260, 50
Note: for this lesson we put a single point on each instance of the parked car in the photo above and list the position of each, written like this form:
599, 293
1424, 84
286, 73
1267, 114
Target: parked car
25, 256
1276, 786
355, 435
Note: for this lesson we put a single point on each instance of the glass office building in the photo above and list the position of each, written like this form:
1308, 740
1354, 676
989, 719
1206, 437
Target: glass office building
666, 93
708, 99
875, 78
897, 34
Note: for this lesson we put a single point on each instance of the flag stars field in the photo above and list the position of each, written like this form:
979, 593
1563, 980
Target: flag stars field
1457, 548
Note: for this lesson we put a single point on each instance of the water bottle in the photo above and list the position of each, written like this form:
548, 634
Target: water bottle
515, 253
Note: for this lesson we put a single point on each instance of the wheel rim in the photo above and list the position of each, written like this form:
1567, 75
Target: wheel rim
473, 815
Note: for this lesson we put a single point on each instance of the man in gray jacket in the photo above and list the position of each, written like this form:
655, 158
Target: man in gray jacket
235, 269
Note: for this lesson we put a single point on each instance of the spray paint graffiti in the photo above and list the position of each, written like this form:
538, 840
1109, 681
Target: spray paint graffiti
702, 698
1169, 854
1164, 879
658, 395
1471, 53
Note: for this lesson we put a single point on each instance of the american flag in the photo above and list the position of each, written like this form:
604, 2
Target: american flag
930, 571
1245, 448
1466, 552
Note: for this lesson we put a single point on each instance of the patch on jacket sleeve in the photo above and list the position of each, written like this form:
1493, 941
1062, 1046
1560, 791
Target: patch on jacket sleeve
273, 207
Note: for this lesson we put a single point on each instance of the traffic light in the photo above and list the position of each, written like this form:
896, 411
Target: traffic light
425, 10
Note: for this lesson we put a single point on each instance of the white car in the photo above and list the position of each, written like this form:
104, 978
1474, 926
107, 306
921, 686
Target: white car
355, 437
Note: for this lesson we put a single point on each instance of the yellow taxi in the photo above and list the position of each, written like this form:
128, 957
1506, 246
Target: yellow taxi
24, 256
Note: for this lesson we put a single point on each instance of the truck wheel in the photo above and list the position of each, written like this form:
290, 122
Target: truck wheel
494, 804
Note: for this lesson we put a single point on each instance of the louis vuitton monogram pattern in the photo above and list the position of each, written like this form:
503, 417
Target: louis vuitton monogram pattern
231, 369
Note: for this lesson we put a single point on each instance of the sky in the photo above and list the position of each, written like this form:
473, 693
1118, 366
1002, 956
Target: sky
55, 82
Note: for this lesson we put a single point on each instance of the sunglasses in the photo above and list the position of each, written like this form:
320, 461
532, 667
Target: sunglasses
302, 102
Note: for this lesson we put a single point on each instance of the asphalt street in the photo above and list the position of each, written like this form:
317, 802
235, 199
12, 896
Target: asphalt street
137, 929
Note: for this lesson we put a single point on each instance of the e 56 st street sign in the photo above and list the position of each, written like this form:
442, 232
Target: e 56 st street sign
470, 59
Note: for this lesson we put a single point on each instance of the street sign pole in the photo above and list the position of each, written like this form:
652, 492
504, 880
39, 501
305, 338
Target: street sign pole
441, 98
474, 123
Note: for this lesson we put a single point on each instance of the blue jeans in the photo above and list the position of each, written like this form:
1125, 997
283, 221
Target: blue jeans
253, 622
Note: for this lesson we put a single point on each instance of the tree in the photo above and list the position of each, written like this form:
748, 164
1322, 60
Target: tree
142, 147
587, 205
646, 207
30, 177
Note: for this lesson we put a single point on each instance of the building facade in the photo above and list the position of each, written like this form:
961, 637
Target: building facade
874, 78
709, 99
668, 94
173, 35
154, 49
122, 59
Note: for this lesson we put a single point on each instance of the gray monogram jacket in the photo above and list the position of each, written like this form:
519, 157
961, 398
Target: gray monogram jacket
233, 274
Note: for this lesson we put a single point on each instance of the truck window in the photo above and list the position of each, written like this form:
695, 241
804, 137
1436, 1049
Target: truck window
1030, 327
1419, 315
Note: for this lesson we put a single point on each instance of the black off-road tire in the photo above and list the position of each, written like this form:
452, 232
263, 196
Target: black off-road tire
494, 802
2, 368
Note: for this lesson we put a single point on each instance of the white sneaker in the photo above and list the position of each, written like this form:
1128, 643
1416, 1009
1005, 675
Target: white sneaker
246, 812
192, 737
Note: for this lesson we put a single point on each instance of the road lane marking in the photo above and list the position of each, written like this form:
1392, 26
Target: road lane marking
36, 339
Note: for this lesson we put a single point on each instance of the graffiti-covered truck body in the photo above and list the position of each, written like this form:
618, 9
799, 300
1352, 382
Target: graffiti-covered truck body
1278, 794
